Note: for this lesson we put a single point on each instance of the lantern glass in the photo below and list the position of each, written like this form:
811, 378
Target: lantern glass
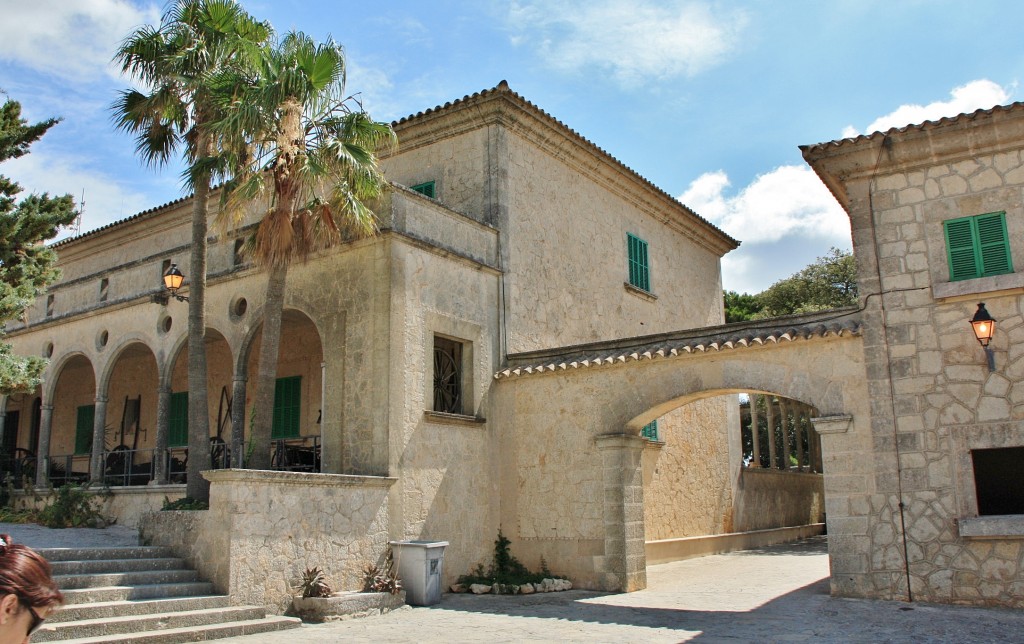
173, 278
984, 325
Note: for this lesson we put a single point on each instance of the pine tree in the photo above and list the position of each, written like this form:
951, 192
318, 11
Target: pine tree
26, 264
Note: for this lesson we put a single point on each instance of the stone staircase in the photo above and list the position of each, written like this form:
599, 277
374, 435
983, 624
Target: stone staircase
142, 594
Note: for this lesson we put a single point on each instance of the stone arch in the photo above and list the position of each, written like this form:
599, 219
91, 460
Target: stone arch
56, 367
129, 343
301, 356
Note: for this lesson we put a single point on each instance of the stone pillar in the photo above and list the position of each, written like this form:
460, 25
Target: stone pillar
163, 425
98, 438
43, 454
755, 440
623, 567
800, 429
238, 421
769, 408
3, 420
788, 416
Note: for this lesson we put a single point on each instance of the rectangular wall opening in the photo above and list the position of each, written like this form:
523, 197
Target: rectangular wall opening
997, 480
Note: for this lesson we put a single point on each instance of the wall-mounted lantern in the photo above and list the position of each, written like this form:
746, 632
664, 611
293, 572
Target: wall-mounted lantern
984, 325
173, 279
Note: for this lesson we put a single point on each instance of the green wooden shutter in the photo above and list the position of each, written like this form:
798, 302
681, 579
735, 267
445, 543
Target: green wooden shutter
994, 244
650, 430
960, 249
424, 188
639, 270
177, 426
287, 407
977, 246
83, 429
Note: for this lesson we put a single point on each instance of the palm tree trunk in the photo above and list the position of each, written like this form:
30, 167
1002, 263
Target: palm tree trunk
266, 377
198, 407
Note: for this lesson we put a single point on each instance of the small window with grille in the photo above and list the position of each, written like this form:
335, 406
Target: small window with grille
447, 375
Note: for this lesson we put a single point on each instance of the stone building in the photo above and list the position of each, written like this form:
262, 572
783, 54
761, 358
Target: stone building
505, 233
933, 505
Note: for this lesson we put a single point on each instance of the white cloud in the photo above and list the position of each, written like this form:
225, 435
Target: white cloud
785, 219
636, 40
73, 40
975, 95
106, 200
789, 200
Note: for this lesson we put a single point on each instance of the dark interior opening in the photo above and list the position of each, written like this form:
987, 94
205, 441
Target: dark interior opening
998, 480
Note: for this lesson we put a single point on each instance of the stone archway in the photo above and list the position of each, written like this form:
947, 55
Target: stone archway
584, 409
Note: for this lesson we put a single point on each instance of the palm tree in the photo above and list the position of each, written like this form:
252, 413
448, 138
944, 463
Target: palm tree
175, 62
309, 152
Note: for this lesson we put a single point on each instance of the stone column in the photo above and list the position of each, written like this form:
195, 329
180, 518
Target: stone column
3, 420
163, 428
623, 567
800, 427
43, 454
98, 438
784, 414
769, 408
755, 440
238, 421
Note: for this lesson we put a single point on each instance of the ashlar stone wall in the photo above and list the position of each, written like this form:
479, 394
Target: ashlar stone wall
933, 399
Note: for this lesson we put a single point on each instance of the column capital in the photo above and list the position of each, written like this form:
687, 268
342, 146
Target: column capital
620, 441
100, 399
837, 424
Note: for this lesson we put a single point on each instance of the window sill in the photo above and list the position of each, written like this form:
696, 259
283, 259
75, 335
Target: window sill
978, 286
1006, 526
452, 419
639, 292
654, 444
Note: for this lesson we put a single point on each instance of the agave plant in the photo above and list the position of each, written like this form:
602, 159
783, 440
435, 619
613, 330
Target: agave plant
314, 583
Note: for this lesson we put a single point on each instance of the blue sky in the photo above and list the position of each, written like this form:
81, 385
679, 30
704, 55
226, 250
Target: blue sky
709, 100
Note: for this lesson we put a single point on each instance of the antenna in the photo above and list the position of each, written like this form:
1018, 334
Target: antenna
81, 211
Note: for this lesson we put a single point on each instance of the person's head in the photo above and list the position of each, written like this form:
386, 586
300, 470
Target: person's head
27, 591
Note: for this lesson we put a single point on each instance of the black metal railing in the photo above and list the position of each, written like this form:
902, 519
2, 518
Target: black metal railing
299, 454
18, 469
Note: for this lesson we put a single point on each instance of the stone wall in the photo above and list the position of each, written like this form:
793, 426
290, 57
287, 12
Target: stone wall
933, 399
123, 505
688, 478
767, 499
263, 529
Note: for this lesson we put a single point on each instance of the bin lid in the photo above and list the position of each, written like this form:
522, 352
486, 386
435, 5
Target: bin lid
420, 543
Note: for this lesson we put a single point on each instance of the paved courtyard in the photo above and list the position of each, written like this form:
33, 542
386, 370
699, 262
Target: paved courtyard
776, 594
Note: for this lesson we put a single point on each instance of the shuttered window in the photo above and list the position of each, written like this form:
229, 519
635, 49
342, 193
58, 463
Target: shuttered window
287, 407
424, 188
650, 430
639, 270
177, 426
977, 246
83, 429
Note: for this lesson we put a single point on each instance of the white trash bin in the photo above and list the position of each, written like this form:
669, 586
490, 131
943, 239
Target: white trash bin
420, 567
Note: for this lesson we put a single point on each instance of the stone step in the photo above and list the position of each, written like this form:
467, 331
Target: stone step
97, 610
97, 566
124, 552
72, 582
146, 591
196, 634
105, 626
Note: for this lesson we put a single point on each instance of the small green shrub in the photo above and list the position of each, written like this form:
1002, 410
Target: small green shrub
186, 503
73, 506
506, 569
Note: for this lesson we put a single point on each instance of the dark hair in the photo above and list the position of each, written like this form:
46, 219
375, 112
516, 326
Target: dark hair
23, 572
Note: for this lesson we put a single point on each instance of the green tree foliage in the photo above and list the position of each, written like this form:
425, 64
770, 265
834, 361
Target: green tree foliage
740, 307
828, 283
26, 264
